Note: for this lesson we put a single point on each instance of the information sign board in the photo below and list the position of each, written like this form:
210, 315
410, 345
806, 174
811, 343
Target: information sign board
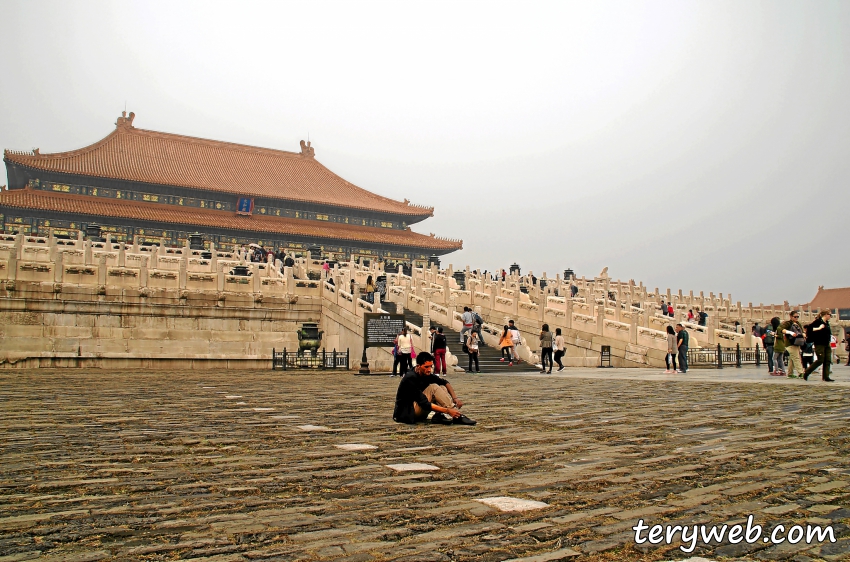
245, 206
382, 329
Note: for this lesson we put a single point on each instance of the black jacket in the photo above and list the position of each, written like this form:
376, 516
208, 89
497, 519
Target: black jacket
439, 341
819, 337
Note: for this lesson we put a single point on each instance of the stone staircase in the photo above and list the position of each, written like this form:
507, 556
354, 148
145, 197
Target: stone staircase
488, 357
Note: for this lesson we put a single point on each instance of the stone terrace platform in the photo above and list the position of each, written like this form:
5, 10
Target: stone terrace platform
247, 465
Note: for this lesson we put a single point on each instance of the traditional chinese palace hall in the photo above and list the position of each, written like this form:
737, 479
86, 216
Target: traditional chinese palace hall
163, 187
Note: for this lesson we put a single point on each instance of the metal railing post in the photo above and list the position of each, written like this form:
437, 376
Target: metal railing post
273, 359
324, 359
758, 356
719, 357
284, 359
334, 358
737, 355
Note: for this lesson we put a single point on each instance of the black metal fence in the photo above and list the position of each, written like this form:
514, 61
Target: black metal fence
285, 360
720, 357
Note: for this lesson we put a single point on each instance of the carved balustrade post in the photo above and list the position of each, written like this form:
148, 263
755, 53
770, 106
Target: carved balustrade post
255, 277
143, 271
101, 269
600, 317
568, 312
183, 272
87, 255
52, 246
58, 267
633, 328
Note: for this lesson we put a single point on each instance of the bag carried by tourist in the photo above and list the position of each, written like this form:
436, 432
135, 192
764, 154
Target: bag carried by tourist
769, 338
465, 348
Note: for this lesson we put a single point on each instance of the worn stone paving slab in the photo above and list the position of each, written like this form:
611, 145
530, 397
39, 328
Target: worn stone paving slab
239, 466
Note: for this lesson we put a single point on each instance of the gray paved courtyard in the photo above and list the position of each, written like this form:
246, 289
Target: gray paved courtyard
246, 465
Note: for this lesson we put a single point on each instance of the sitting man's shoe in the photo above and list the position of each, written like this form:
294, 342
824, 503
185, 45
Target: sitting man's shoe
827, 379
441, 418
463, 420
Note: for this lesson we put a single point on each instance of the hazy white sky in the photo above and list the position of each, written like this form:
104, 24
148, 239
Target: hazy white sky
693, 145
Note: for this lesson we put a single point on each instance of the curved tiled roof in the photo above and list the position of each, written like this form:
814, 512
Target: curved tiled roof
83, 205
132, 154
831, 298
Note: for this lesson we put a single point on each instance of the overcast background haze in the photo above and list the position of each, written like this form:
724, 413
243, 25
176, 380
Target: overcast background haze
692, 145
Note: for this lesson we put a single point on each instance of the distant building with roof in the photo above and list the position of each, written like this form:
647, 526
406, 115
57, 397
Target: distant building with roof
163, 187
833, 299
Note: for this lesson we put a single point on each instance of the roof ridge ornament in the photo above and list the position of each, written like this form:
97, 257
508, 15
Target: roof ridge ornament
307, 150
125, 122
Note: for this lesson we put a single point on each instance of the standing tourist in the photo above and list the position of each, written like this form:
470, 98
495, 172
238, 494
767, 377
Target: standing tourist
821, 337
545, 348
468, 321
403, 349
440, 352
792, 332
672, 350
516, 337
769, 339
506, 344
560, 349
370, 290
478, 323
472, 351
690, 315
682, 339
670, 310
778, 348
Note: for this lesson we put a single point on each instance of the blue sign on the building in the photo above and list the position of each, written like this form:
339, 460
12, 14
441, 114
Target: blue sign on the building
245, 206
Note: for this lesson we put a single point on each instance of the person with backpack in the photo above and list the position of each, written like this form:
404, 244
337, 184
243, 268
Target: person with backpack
478, 322
472, 351
468, 322
792, 333
820, 334
768, 339
807, 355
702, 317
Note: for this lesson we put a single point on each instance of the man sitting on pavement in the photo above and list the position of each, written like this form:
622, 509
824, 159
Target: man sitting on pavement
421, 392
